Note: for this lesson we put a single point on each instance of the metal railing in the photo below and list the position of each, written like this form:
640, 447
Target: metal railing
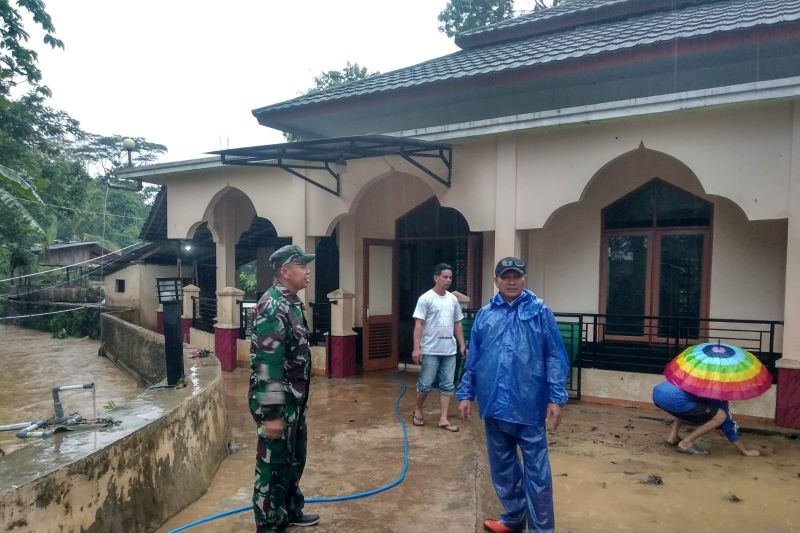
570, 334
645, 344
247, 311
320, 312
204, 313
321, 320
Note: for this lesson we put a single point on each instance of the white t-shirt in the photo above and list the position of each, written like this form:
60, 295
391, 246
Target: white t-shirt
440, 314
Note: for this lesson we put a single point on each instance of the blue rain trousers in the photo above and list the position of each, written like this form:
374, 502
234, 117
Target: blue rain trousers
525, 488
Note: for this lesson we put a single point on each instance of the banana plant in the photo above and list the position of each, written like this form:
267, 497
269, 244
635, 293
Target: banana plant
13, 187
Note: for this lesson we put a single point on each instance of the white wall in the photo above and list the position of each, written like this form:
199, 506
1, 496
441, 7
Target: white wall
633, 387
131, 275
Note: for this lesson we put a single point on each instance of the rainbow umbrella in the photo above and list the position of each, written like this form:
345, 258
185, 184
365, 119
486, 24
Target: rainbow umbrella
719, 371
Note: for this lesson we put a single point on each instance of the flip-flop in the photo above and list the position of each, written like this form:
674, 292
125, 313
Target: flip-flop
448, 427
417, 420
693, 449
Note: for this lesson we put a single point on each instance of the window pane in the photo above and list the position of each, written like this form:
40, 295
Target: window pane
680, 285
627, 278
676, 208
633, 211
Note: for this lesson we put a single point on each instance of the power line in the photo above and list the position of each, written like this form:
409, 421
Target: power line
69, 266
78, 210
43, 314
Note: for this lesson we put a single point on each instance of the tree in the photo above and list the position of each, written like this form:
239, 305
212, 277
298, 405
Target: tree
463, 15
16, 60
333, 78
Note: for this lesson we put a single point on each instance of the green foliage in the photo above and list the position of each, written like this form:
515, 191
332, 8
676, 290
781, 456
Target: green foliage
16, 60
247, 283
463, 15
333, 78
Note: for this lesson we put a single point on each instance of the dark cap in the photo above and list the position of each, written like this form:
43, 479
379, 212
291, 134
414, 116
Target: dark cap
507, 264
291, 253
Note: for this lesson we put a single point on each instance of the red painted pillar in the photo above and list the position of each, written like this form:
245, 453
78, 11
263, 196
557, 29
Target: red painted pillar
787, 408
186, 326
160, 321
342, 356
226, 331
225, 347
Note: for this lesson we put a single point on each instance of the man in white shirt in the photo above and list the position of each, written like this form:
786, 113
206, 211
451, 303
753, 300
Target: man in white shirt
437, 328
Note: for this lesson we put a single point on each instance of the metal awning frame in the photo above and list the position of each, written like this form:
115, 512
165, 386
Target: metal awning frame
324, 154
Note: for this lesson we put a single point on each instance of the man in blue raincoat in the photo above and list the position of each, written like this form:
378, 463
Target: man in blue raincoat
516, 368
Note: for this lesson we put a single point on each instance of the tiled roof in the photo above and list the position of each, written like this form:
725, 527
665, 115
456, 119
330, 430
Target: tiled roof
582, 42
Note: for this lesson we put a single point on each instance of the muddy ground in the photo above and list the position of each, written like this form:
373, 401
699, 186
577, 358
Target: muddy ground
612, 470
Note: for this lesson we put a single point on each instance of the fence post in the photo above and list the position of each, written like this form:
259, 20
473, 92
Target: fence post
190, 292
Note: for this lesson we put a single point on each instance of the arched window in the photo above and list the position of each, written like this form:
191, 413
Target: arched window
655, 271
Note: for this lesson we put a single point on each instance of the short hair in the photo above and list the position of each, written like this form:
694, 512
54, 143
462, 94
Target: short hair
441, 266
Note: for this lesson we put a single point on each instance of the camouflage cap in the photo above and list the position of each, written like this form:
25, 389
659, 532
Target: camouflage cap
291, 253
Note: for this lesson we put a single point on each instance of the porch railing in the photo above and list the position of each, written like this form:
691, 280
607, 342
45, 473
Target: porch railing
247, 311
645, 344
204, 313
321, 318
570, 334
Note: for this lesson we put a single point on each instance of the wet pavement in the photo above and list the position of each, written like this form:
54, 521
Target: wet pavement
612, 470
33, 362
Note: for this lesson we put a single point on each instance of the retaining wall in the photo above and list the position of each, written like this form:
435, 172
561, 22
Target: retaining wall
130, 477
134, 349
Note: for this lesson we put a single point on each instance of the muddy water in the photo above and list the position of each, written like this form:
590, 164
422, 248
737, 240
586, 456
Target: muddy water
33, 362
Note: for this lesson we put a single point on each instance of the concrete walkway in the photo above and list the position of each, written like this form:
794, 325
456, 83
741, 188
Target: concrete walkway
611, 470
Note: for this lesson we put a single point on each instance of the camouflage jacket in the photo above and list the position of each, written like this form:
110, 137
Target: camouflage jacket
280, 357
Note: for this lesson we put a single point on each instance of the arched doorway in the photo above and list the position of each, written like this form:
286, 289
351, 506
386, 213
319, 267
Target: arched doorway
428, 235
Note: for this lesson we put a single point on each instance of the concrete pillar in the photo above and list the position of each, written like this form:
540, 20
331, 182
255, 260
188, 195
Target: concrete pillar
226, 330
226, 263
310, 247
787, 409
341, 343
349, 254
463, 299
506, 240
535, 257
189, 292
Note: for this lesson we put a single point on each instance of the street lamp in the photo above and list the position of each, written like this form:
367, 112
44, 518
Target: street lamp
170, 295
129, 144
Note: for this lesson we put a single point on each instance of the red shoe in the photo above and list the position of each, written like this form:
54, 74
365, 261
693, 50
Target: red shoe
497, 526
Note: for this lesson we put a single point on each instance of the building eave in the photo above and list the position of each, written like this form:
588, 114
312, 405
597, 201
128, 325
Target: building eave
787, 88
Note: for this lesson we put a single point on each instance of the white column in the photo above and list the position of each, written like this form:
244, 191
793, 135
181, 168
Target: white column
226, 263
506, 239
791, 316
348, 256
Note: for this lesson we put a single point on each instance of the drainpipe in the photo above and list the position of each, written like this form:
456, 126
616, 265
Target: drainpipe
30, 431
18, 425
57, 402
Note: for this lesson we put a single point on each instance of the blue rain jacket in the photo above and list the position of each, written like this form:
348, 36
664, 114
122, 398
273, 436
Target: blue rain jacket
517, 363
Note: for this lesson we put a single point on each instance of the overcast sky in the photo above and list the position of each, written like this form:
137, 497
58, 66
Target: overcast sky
187, 73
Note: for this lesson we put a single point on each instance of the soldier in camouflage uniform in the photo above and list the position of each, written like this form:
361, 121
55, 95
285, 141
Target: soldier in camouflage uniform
281, 362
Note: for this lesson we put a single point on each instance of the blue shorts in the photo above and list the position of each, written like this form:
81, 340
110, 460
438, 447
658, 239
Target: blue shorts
443, 366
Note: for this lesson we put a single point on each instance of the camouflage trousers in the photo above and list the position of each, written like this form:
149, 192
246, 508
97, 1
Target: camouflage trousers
279, 466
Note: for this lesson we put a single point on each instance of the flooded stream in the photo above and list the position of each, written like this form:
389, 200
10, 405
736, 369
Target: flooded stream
33, 362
